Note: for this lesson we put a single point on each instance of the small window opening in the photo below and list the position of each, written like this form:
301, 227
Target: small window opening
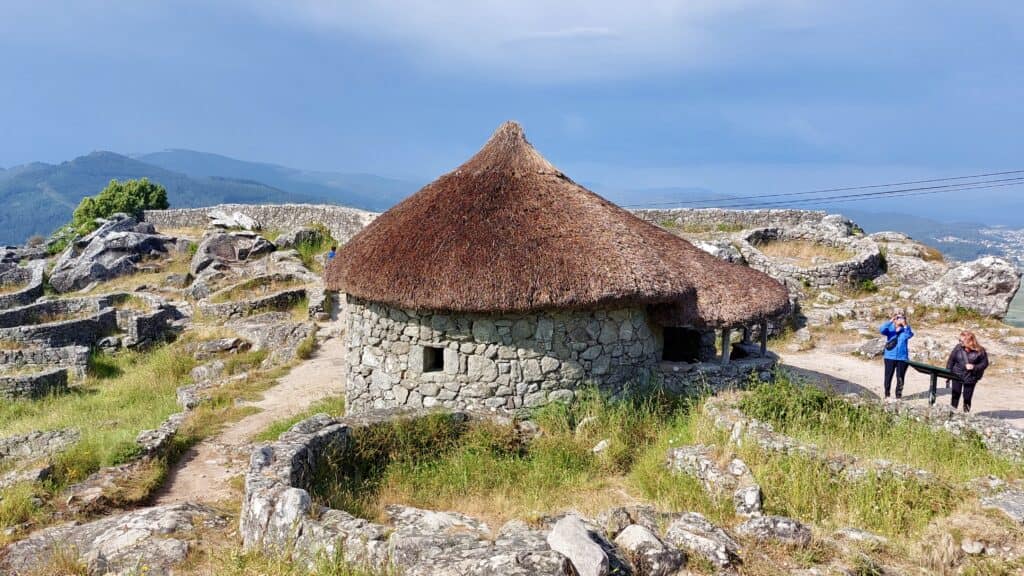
433, 358
681, 345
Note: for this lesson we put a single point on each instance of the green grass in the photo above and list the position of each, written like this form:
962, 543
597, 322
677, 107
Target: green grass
812, 415
126, 393
133, 391
232, 562
311, 251
334, 406
490, 469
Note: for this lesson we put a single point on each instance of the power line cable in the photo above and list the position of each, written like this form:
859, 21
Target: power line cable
827, 190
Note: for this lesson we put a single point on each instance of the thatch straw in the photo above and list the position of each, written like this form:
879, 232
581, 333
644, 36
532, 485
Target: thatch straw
508, 232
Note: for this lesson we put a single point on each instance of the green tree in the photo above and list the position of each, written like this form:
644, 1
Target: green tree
130, 197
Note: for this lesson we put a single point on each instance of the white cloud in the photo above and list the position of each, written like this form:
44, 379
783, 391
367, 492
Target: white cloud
555, 39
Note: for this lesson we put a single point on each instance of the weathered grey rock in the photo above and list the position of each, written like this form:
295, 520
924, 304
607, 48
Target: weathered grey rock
972, 547
219, 346
276, 332
208, 371
1010, 503
157, 537
986, 285
296, 236
649, 554
223, 248
776, 529
111, 251
872, 348
37, 444
220, 218
858, 535
693, 532
571, 538
748, 501
179, 281
723, 250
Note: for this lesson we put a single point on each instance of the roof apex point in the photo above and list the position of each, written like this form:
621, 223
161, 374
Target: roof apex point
510, 129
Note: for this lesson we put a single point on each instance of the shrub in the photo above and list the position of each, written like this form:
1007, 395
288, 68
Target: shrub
130, 197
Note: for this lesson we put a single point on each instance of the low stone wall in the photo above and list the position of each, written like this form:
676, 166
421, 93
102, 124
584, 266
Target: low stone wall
144, 329
31, 313
343, 222
82, 332
278, 301
699, 379
726, 220
997, 435
34, 385
74, 358
492, 362
37, 444
29, 278
866, 262
278, 515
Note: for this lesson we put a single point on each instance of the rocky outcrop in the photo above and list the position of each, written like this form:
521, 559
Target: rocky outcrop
276, 332
221, 249
696, 534
986, 285
294, 237
734, 480
775, 529
155, 538
110, 251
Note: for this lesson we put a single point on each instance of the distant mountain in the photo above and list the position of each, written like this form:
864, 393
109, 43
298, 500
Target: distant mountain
38, 197
365, 191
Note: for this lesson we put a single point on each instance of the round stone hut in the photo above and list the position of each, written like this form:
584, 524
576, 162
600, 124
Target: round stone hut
504, 284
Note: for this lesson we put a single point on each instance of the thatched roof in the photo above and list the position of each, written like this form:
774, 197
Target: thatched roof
508, 232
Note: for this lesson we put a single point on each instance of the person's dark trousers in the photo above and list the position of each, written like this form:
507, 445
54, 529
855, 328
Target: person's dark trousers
968, 393
899, 369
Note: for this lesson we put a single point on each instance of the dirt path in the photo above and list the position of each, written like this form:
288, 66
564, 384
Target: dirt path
205, 471
997, 395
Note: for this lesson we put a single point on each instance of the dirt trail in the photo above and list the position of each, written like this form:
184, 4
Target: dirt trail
203, 474
997, 395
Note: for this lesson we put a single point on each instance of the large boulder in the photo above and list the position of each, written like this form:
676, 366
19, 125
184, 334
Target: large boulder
571, 538
221, 249
221, 219
693, 532
986, 285
297, 236
157, 538
110, 251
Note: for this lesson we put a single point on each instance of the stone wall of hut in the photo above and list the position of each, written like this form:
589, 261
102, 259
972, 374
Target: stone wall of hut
492, 361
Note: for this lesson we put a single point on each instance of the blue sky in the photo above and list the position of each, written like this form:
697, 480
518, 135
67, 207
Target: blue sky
737, 96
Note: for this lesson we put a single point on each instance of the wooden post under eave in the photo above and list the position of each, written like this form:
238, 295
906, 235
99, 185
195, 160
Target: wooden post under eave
764, 338
746, 334
726, 345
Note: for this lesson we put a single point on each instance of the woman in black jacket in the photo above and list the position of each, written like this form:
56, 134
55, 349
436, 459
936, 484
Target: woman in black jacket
968, 361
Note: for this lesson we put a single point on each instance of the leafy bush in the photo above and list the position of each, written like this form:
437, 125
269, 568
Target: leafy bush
130, 197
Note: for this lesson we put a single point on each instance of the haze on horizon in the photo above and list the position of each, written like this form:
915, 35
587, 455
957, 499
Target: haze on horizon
732, 96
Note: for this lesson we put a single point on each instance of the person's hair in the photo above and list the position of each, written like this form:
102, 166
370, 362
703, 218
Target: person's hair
899, 312
334, 247
971, 341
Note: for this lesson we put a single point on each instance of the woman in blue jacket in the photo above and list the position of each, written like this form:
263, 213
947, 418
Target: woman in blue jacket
897, 351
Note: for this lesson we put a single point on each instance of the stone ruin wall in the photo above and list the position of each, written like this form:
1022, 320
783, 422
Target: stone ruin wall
712, 219
342, 221
506, 361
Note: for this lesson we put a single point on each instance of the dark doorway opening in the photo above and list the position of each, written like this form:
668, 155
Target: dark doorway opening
681, 345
